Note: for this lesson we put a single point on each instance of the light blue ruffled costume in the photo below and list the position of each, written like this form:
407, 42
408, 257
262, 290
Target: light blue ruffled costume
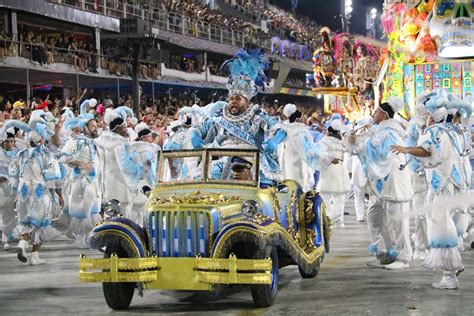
38, 173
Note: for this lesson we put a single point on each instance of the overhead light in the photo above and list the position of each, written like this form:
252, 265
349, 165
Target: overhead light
319, 96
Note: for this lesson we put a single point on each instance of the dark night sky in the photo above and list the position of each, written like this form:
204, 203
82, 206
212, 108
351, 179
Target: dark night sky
326, 12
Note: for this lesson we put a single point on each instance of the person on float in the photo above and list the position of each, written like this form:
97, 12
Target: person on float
291, 151
7, 191
436, 151
112, 182
138, 163
390, 189
238, 124
81, 157
334, 181
36, 173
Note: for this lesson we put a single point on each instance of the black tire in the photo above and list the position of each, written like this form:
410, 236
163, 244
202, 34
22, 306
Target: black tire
264, 295
118, 295
314, 273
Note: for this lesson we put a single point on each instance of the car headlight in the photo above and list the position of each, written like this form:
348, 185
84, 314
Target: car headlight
112, 208
249, 208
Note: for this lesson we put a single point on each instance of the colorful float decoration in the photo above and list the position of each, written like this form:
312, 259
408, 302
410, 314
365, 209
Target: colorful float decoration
422, 38
344, 72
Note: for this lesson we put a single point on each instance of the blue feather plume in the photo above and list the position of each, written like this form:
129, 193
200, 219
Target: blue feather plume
124, 112
252, 64
14, 123
74, 123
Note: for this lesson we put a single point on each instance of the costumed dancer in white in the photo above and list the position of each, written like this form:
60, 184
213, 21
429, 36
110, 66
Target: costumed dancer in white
390, 188
420, 186
334, 181
291, 152
359, 177
138, 164
113, 181
459, 112
37, 172
179, 139
437, 152
80, 155
7, 191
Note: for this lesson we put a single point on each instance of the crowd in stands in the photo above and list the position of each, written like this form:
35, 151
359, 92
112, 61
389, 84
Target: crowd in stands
299, 29
187, 64
287, 25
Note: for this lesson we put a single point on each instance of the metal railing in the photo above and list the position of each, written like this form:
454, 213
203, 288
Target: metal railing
165, 20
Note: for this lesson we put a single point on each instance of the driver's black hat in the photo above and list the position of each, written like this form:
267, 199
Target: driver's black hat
238, 162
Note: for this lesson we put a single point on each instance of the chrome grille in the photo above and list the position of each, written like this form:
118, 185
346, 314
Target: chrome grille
180, 233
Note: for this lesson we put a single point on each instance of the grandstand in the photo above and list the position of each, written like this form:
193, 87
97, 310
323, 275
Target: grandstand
59, 47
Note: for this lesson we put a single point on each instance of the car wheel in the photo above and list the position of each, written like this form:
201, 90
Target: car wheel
118, 295
314, 273
264, 294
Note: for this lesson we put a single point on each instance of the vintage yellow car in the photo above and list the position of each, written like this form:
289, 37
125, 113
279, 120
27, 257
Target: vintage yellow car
205, 231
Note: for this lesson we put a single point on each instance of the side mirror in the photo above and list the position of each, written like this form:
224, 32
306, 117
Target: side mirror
282, 188
146, 190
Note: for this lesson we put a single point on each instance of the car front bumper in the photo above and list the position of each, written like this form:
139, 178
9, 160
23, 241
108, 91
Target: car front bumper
173, 273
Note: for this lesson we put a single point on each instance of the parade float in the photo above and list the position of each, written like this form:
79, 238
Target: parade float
430, 46
345, 69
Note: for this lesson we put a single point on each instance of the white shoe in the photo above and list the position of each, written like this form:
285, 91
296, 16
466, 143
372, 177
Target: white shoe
420, 255
341, 225
35, 260
448, 282
22, 245
6, 246
360, 220
397, 265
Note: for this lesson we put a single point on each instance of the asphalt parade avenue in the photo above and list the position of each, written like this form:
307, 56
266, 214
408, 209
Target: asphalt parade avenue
345, 285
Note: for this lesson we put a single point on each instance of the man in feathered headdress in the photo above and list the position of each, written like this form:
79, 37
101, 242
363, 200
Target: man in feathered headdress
83, 193
389, 185
239, 123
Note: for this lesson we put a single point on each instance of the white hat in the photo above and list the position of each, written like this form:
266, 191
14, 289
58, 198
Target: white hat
337, 125
142, 129
289, 109
346, 128
366, 120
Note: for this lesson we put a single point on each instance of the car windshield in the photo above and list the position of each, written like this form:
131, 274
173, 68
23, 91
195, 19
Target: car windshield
209, 166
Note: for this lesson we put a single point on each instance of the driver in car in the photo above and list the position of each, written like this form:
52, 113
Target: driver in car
241, 169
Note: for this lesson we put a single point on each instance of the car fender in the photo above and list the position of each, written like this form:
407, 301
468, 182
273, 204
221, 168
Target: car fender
129, 235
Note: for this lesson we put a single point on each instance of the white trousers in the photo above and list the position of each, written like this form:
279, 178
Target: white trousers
389, 226
334, 206
421, 235
359, 201
9, 220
